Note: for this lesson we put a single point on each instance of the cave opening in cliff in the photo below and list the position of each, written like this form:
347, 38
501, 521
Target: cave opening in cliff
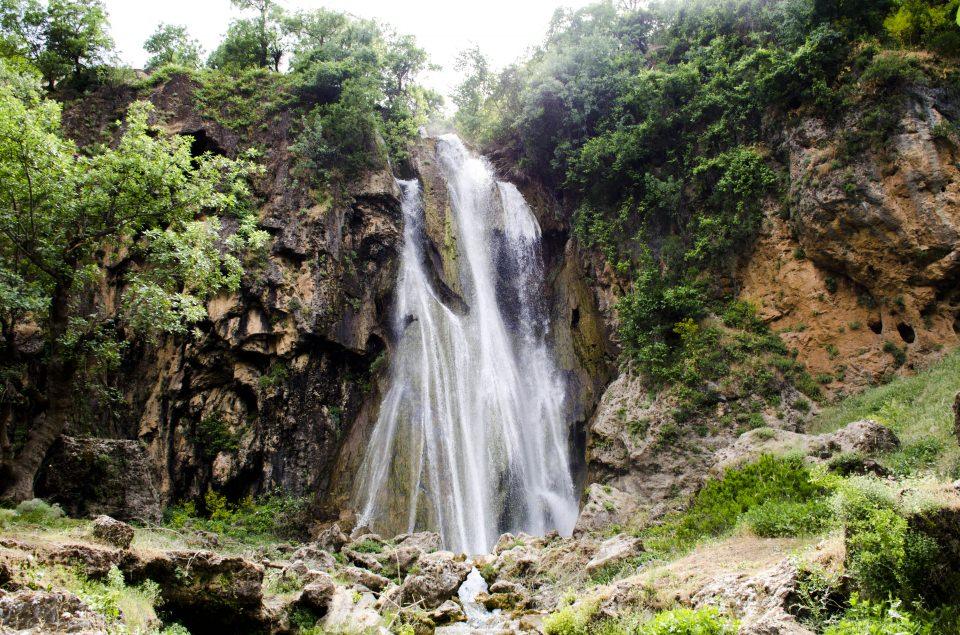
907, 334
202, 143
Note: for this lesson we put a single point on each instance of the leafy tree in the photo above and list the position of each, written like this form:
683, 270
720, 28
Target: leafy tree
361, 79
925, 22
65, 40
21, 29
172, 44
67, 219
471, 95
253, 42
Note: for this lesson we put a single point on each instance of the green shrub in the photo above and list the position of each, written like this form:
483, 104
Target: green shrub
818, 597
877, 618
771, 494
706, 621
570, 620
268, 518
38, 512
741, 314
368, 546
213, 435
885, 558
774, 519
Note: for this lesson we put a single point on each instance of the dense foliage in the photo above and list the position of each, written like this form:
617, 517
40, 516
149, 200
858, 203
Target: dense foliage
354, 80
143, 211
654, 121
66, 40
172, 44
773, 496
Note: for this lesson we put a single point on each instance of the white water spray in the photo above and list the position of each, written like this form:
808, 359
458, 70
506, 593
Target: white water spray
471, 440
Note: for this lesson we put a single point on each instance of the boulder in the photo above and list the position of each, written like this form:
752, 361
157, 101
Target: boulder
90, 477
447, 613
317, 595
95, 562
366, 551
314, 557
617, 550
31, 611
865, 437
857, 439
605, 506
331, 538
409, 548
364, 578
437, 579
760, 601
347, 614
202, 589
113, 532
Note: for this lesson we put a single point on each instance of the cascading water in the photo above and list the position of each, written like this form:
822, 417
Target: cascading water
470, 439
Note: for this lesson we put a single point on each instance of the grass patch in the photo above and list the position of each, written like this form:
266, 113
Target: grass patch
579, 620
918, 409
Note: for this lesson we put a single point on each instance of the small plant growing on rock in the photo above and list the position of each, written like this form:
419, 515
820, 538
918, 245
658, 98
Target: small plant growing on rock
706, 621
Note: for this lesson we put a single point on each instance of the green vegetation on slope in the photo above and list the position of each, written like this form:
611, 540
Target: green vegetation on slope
139, 212
773, 496
658, 125
918, 409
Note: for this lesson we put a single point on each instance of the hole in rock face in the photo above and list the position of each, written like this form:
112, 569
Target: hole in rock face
956, 324
575, 318
203, 143
876, 326
906, 332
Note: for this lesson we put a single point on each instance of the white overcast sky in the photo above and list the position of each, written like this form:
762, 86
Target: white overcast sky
504, 29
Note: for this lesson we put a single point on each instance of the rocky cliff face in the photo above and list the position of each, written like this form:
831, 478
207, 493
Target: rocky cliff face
867, 264
858, 278
263, 394
279, 388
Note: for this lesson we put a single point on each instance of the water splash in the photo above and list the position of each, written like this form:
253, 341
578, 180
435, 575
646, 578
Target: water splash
471, 440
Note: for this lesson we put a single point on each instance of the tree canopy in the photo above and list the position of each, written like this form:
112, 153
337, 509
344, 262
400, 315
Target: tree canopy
65, 39
172, 44
68, 217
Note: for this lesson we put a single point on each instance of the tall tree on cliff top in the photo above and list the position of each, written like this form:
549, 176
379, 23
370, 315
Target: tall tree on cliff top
68, 221
253, 42
172, 44
64, 40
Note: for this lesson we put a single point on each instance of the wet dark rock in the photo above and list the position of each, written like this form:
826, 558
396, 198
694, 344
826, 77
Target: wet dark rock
91, 477
202, 589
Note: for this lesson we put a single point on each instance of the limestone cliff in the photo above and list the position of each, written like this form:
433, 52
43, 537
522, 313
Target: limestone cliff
857, 273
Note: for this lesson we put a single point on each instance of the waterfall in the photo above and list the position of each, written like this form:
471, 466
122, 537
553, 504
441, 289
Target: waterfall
470, 440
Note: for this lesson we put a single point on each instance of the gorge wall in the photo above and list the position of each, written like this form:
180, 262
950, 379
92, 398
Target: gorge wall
280, 388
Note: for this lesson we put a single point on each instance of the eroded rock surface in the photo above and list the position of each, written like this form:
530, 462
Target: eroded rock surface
90, 477
35, 612
112, 531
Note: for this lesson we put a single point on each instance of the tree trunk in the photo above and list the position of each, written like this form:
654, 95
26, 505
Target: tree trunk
19, 474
